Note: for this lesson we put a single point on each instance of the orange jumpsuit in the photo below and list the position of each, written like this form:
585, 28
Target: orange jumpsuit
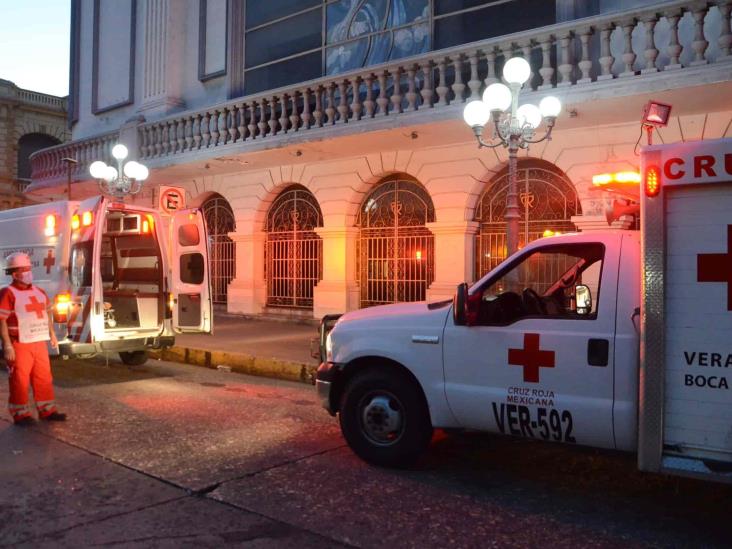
26, 313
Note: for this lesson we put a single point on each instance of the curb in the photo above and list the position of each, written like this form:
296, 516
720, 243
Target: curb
239, 362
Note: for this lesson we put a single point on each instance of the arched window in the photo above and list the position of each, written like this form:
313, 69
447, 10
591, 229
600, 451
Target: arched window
293, 254
547, 200
27, 145
220, 222
395, 250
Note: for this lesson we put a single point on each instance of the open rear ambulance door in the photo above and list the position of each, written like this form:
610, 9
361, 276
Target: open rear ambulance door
191, 284
85, 315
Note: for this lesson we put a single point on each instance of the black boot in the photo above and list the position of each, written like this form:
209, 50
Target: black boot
55, 416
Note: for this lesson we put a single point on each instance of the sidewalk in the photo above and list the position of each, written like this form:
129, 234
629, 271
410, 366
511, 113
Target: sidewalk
269, 348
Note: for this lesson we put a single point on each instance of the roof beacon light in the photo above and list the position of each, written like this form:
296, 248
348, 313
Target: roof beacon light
50, 229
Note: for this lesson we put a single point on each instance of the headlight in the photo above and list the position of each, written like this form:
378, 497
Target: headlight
328, 348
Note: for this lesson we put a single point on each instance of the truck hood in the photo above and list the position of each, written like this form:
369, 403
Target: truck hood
418, 314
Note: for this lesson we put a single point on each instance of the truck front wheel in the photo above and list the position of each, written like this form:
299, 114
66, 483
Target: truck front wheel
384, 418
133, 358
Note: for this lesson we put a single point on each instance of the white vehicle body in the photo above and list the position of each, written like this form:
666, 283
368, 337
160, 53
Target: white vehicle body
120, 276
547, 362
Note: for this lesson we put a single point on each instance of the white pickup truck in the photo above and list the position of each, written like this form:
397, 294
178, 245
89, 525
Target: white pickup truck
617, 339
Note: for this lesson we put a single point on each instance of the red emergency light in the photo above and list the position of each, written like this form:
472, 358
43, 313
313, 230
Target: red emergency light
652, 181
51, 225
61, 307
86, 219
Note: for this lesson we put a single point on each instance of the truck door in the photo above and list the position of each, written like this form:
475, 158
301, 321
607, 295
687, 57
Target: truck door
191, 286
85, 314
534, 363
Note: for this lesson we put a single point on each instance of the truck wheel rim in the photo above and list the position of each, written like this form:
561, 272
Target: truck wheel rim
382, 419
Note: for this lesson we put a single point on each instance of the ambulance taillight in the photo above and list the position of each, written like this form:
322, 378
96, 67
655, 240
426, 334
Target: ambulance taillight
86, 219
61, 308
51, 227
75, 222
652, 181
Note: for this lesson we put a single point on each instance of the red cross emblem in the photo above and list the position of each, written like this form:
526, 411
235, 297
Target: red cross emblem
531, 358
717, 267
35, 307
49, 261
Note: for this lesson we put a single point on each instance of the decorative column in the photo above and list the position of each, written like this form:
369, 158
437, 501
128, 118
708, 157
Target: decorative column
164, 33
337, 291
248, 290
454, 256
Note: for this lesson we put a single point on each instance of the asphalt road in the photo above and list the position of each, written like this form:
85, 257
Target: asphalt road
168, 455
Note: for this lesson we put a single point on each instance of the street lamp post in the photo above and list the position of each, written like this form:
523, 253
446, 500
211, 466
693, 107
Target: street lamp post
123, 180
69, 163
514, 129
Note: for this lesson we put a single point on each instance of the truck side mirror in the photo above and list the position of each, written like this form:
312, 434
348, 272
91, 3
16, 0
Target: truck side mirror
583, 299
460, 305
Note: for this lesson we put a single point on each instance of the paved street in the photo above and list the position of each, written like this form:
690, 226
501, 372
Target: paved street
173, 455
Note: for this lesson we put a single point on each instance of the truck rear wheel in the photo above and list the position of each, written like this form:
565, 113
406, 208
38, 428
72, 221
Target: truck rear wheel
133, 358
384, 418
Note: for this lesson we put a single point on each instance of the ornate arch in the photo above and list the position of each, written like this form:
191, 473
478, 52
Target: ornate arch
220, 222
293, 253
395, 249
547, 199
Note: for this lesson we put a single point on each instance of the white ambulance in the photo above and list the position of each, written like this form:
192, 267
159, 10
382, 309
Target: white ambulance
122, 278
619, 340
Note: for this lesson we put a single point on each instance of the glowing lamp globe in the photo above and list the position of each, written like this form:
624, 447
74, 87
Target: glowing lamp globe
119, 151
497, 97
98, 169
130, 169
550, 107
110, 173
476, 114
516, 70
529, 114
142, 172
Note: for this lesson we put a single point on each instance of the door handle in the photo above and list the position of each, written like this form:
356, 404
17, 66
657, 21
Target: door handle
597, 352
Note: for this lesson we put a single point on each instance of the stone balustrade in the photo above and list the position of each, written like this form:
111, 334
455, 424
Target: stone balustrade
48, 166
667, 37
49, 101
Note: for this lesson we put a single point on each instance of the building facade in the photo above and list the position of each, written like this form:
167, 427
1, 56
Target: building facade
325, 140
29, 121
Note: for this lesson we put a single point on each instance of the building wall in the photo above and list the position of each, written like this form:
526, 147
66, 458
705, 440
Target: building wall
165, 35
454, 176
23, 112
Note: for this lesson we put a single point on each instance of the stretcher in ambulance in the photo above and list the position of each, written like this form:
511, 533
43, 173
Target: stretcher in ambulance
617, 339
122, 278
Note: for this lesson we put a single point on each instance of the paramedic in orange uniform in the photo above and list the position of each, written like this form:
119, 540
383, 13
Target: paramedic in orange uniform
25, 327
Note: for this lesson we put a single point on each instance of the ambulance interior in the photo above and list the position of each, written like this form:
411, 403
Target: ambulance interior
132, 273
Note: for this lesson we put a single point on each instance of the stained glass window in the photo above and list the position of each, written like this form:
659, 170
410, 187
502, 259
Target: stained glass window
369, 32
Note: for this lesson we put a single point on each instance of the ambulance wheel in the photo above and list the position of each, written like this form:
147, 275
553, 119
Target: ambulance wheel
133, 358
384, 418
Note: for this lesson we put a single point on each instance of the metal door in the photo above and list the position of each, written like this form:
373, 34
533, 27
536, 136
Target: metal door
547, 199
220, 222
293, 253
395, 250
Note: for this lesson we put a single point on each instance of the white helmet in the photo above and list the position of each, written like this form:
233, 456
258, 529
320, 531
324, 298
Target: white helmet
16, 261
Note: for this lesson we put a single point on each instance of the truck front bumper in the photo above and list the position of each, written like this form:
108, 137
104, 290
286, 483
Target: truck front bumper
70, 348
325, 379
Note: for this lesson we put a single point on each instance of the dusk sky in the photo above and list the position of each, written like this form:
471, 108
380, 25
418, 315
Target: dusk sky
34, 44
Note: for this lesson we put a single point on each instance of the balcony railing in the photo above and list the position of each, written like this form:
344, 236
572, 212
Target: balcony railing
666, 38
51, 101
48, 165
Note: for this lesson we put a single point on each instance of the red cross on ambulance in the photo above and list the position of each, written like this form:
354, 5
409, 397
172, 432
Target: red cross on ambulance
717, 267
49, 261
531, 358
